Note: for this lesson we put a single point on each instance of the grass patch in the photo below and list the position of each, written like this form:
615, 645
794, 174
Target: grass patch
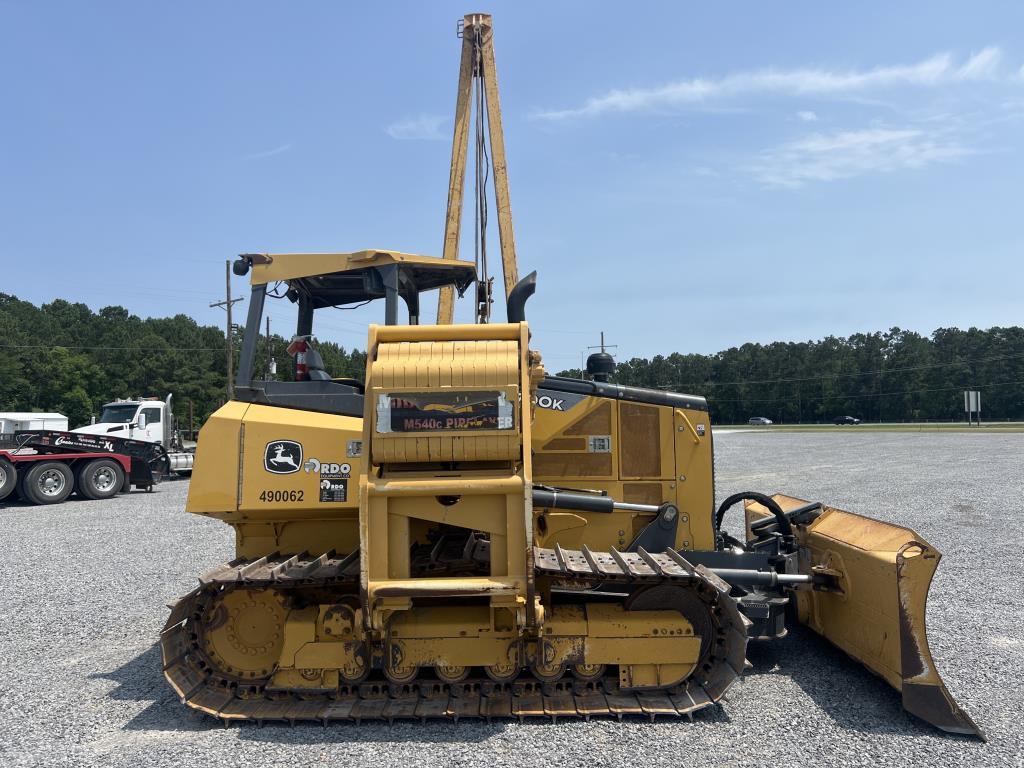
995, 427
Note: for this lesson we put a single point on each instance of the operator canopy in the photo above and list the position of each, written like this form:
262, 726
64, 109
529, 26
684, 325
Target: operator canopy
332, 279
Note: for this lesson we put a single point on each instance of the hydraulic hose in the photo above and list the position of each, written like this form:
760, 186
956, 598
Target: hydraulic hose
785, 527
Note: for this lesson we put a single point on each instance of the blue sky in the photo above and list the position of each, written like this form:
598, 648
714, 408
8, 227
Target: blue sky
686, 177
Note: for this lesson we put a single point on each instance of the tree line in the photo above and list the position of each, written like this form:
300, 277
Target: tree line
64, 357
896, 375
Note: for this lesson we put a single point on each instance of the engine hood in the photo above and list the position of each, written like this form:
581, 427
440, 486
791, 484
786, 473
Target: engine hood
117, 430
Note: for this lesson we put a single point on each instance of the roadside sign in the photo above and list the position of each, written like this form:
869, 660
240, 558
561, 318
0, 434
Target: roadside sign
972, 405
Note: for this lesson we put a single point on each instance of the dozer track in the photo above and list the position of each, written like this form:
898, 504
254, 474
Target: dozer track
653, 581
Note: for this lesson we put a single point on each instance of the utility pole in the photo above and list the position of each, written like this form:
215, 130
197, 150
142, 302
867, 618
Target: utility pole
226, 304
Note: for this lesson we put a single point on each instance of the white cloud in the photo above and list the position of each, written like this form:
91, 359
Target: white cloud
937, 70
269, 152
828, 157
421, 127
807, 116
981, 66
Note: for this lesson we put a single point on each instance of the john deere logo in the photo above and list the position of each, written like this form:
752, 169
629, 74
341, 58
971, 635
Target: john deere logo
283, 457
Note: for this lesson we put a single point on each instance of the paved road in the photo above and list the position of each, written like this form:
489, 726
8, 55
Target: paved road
83, 587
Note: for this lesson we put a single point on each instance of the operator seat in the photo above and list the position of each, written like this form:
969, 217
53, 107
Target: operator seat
315, 366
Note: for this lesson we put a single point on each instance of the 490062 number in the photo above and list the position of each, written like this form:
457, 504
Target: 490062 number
281, 496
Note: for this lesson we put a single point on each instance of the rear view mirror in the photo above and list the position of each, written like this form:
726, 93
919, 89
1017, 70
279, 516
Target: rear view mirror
140, 421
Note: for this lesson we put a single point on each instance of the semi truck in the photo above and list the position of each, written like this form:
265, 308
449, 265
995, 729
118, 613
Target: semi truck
150, 420
134, 442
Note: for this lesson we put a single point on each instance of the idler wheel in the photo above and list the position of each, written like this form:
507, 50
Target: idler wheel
244, 632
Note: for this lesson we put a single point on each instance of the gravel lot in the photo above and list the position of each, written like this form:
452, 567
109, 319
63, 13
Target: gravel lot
85, 584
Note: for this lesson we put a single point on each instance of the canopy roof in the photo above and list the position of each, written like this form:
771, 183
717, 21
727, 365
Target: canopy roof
345, 278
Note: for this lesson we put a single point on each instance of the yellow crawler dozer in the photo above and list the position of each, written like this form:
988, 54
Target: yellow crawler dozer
463, 535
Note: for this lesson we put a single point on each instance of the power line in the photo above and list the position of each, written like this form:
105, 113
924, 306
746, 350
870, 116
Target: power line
880, 371
148, 350
118, 349
556, 330
872, 394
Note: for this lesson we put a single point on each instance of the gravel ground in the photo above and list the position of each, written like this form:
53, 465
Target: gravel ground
84, 585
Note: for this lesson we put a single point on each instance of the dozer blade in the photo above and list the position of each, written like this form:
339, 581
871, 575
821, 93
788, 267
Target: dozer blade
876, 614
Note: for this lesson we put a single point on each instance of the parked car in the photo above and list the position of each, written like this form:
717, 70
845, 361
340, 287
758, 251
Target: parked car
840, 420
759, 421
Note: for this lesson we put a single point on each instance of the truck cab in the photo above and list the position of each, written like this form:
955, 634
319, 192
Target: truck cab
138, 419
144, 418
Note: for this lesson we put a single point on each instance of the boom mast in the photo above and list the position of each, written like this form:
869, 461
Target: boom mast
477, 70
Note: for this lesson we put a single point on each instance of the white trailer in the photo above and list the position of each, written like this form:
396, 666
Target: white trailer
18, 422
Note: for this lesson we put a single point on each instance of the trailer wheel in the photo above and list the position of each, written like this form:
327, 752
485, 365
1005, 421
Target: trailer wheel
100, 479
48, 482
8, 478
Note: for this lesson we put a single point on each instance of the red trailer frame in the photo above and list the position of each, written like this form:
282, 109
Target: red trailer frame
98, 467
69, 458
